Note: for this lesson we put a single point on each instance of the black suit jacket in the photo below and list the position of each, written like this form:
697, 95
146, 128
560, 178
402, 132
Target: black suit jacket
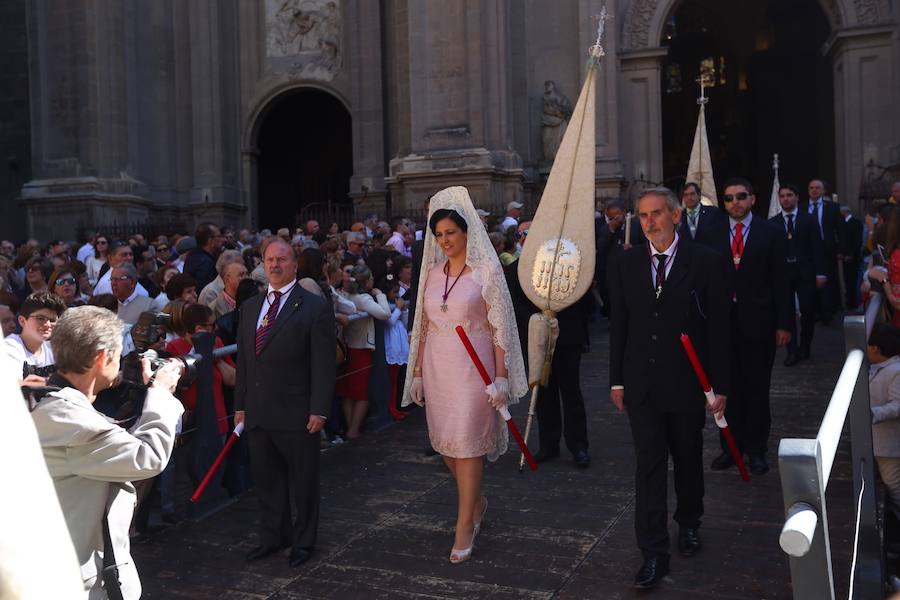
610, 244
832, 232
646, 355
803, 252
709, 216
853, 239
760, 286
294, 374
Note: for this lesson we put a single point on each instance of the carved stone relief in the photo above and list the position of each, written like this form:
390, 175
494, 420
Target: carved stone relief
867, 12
556, 112
637, 23
303, 37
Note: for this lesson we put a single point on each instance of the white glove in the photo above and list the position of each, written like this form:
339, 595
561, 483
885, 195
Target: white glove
417, 391
498, 392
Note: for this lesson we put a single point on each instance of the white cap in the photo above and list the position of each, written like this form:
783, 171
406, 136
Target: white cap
514, 204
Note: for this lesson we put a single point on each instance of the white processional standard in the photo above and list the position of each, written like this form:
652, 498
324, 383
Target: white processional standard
700, 166
556, 266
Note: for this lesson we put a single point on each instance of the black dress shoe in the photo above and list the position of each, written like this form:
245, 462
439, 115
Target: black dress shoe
722, 462
791, 360
758, 464
582, 459
651, 572
299, 555
261, 552
544, 455
689, 541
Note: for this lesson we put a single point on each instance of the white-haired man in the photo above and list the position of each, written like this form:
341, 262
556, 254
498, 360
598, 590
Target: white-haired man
93, 461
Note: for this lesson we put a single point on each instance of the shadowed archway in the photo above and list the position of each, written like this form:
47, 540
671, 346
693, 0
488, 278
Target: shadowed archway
305, 157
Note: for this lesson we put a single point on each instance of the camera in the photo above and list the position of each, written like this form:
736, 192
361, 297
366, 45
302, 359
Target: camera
188, 364
149, 329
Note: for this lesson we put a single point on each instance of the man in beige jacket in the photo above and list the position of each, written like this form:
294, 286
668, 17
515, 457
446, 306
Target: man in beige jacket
93, 461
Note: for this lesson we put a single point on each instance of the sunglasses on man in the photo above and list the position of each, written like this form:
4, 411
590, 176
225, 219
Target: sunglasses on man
738, 196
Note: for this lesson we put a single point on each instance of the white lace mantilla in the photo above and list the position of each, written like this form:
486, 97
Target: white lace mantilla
488, 273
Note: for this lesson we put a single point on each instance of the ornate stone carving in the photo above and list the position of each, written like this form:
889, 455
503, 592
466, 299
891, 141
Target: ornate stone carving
867, 11
303, 37
637, 23
557, 109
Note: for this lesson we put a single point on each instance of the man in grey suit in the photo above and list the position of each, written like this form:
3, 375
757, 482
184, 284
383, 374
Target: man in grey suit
283, 393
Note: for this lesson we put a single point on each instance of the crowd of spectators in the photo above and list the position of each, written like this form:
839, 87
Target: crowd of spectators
199, 280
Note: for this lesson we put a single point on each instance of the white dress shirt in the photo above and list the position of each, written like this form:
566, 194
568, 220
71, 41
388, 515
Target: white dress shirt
281, 302
104, 286
670, 259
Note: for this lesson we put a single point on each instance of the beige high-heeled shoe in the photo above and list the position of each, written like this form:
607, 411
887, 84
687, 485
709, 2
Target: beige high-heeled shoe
484, 506
462, 554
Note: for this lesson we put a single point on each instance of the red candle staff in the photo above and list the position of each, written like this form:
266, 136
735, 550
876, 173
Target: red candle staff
504, 412
238, 430
710, 399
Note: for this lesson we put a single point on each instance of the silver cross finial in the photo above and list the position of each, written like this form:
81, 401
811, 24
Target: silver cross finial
597, 49
775, 162
704, 82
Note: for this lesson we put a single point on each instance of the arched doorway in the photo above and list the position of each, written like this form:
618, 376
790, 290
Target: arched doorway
305, 158
773, 89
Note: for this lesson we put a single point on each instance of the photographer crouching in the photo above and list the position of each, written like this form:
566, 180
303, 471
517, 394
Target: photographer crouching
91, 459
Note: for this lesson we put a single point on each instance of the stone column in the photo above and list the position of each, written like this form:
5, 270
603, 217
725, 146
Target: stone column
641, 115
865, 104
215, 193
83, 165
367, 186
609, 176
460, 105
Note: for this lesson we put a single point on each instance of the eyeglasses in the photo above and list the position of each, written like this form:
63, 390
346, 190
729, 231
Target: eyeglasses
121, 278
34, 269
65, 281
102, 242
738, 196
42, 320
162, 249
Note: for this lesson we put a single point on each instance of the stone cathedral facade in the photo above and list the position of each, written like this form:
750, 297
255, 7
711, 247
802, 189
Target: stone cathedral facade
142, 110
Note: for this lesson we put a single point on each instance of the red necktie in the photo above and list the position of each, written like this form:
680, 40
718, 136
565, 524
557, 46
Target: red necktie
737, 245
263, 332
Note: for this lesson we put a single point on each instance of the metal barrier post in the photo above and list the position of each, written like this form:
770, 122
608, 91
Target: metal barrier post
869, 579
800, 465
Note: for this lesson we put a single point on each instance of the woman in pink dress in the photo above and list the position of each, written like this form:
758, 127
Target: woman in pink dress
465, 286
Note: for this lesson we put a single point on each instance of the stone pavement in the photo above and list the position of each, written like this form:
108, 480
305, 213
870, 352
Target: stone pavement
388, 513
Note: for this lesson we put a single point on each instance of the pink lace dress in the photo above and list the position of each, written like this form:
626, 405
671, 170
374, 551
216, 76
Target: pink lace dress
461, 423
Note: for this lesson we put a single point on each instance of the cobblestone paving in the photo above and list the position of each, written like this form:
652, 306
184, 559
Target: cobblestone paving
388, 513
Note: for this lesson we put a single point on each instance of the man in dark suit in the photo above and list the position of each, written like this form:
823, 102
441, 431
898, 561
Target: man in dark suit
761, 315
564, 385
658, 291
201, 262
828, 216
283, 392
611, 244
696, 218
805, 268
851, 253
